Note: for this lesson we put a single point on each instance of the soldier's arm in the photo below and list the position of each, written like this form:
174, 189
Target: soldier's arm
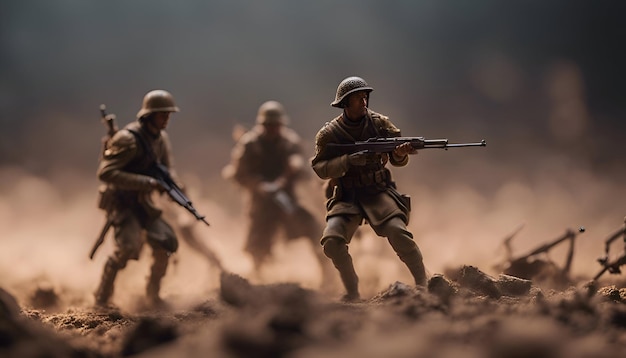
121, 151
242, 163
295, 168
324, 166
398, 161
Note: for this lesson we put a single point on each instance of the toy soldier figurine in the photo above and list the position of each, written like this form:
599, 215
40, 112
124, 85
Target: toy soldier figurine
128, 156
362, 188
267, 161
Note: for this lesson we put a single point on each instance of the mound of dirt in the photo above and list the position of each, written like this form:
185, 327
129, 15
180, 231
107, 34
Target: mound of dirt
474, 315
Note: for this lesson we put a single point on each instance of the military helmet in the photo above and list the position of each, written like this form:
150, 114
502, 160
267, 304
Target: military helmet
157, 101
271, 112
348, 86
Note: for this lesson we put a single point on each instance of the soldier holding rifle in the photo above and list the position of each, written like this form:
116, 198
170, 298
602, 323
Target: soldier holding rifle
267, 162
136, 162
362, 187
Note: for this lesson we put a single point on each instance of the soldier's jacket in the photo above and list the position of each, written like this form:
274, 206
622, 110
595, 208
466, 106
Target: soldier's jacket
125, 160
364, 190
255, 160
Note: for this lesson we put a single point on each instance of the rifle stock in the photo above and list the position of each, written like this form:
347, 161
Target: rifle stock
385, 145
108, 120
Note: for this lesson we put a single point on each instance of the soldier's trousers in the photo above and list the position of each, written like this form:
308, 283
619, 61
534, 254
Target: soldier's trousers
130, 237
338, 234
265, 225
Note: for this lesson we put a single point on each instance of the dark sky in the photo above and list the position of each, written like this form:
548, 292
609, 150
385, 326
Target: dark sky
542, 74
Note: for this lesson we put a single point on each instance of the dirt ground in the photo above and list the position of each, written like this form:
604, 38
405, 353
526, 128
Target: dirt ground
468, 309
472, 315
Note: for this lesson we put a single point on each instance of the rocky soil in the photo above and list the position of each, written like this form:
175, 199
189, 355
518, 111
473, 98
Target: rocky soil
468, 314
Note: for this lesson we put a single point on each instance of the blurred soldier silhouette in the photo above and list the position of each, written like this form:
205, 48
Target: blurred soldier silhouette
362, 188
267, 162
126, 195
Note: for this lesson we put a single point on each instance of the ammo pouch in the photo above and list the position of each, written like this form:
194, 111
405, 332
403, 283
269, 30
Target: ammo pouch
402, 199
366, 179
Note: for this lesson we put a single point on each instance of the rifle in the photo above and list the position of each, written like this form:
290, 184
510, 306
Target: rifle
569, 235
280, 197
520, 262
160, 172
385, 145
284, 201
100, 240
109, 121
612, 266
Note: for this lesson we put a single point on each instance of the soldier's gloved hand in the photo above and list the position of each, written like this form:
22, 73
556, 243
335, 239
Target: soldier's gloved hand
156, 185
358, 159
404, 149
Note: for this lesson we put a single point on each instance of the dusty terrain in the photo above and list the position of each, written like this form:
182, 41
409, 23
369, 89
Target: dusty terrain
475, 316
540, 82
468, 310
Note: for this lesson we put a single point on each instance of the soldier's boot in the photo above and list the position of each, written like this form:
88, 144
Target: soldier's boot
157, 272
105, 289
337, 250
329, 280
409, 253
415, 264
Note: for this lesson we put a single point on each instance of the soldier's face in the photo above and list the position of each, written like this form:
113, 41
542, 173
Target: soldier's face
357, 104
160, 120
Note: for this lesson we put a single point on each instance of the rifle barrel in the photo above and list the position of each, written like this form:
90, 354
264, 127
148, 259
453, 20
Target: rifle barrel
482, 143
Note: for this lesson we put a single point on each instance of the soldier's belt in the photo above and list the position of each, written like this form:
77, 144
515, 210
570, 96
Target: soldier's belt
365, 179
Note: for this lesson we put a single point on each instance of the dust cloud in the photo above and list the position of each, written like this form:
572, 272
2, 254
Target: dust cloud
47, 234
541, 83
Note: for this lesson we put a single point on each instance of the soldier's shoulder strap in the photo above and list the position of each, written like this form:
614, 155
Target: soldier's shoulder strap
145, 146
383, 125
335, 133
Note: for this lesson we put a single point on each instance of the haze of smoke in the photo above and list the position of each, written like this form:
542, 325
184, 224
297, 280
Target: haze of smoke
48, 233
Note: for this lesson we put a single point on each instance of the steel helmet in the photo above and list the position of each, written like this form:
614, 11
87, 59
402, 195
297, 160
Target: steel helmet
348, 86
157, 101
271, 112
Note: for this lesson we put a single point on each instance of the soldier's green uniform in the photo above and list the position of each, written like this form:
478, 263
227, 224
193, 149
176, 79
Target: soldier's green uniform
127, 190
362, 191
267, 161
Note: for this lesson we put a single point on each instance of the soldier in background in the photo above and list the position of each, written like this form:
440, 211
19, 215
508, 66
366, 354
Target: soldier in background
362, 188
126, 196
266, 162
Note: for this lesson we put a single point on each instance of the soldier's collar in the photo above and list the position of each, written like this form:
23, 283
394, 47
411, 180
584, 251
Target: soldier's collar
352, 123
148, 132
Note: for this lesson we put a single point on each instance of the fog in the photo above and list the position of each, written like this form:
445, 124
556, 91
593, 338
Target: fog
541, 83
